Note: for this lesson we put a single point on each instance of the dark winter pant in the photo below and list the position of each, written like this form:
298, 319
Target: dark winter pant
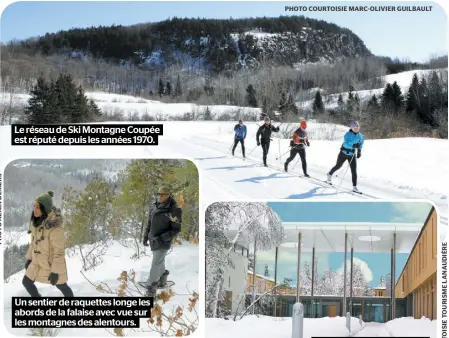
342, 158
242, 142
302, 154
32, 289
157, 267
265, 148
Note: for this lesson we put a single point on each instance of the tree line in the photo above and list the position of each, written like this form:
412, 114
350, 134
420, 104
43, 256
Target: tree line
118, 43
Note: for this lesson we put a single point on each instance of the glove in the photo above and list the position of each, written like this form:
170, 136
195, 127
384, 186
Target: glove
155, 241
356, 145
53, 278
308, 143
145, 241
258, 143
359, 153
27, 263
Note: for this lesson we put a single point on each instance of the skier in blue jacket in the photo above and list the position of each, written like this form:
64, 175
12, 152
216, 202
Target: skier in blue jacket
240, 135
351, 149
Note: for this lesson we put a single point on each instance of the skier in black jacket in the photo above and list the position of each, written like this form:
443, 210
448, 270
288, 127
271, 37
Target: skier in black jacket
164, 223
264, 132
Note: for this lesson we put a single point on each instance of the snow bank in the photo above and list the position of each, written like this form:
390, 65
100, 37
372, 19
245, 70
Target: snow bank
268, 327
410, 327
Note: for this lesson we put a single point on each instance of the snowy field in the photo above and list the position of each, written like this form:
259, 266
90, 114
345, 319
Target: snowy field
182, 262
388, 169
268, 327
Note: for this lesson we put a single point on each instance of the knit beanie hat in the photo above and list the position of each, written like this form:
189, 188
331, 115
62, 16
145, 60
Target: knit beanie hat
46, 200
355, 124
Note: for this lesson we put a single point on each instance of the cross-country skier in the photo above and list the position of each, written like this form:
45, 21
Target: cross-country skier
299, 141
240, 135
351, 149
264, 132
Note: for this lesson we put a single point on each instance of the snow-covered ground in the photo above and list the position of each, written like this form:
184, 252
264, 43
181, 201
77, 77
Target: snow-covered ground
388, 169
182, 262
267, 327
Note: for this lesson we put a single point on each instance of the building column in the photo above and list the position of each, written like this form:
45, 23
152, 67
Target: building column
391, 284
298, 277
344, 277
275, 279
350, 282
313, 282
254, 275
393, 276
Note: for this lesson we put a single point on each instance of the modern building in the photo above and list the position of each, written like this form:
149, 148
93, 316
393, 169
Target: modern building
235, 279
263, 283
417, 282
414, 294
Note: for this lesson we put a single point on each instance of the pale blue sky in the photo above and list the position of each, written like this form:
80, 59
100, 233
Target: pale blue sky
378, 264
413, 35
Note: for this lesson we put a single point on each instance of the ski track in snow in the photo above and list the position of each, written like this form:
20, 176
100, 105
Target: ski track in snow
231, 178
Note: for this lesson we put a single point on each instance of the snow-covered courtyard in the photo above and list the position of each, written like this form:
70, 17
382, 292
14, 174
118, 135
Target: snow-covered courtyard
267, 327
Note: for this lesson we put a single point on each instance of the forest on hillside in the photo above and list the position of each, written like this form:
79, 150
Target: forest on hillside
121, 43
102, 201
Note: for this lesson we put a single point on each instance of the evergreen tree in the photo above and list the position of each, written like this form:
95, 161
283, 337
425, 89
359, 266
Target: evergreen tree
398, 98
266, 272
373, 104
283, 108
208, 114
38, 108
388, 98
291, 106
160, 90
435, 92
412, 103
168, 88
318, 105
341, 103
250, 98
265, 109
178, 88
350, 100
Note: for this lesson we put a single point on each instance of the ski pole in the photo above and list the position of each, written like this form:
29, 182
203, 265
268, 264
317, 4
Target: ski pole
251, 151
296, 163
287, 151
349, 165
230, 148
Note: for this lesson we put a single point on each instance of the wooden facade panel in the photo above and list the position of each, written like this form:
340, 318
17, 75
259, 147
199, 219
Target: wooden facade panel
421, 265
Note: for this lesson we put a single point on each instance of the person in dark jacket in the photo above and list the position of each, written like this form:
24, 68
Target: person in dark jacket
299, 141
164, 223
264, 133
350, 150
240, 135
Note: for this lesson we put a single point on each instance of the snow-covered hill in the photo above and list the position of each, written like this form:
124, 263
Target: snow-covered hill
403, 79
182, 262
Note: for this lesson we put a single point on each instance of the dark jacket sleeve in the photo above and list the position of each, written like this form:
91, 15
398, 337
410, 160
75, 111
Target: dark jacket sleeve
275, 129
147, 229
175, 225
259, 131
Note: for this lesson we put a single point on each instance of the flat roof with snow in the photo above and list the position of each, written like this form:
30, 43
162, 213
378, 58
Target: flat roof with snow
362, 236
